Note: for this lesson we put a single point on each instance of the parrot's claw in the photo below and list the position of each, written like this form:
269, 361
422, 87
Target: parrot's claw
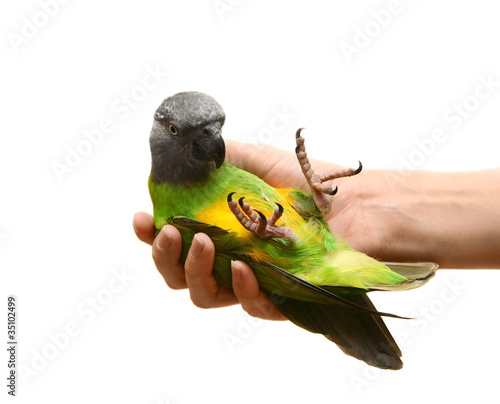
317, 182
256, 222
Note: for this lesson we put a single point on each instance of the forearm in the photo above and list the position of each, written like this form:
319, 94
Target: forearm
450, 218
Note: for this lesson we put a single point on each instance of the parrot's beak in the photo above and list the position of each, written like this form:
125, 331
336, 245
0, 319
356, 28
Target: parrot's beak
210, 148
220, 151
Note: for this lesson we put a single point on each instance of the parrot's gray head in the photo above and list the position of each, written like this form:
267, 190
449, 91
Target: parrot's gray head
186, 142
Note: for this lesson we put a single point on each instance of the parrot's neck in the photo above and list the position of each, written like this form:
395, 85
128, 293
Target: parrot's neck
171, 199
170, 171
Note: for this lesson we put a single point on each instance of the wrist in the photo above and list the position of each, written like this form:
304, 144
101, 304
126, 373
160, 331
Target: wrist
399, 216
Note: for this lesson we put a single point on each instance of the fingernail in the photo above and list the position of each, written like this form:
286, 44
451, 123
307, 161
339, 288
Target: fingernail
197, 246
236, 268
164, 238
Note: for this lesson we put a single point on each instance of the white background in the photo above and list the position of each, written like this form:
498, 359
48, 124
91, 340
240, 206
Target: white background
63, 240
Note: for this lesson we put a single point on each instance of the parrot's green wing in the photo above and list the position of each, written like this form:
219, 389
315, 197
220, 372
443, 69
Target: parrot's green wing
272, 279
351, 321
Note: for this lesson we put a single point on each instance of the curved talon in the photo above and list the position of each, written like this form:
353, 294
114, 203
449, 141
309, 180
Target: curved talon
261, 215
261, 229
299, 144
317, 182
256, 222
280, 208
278, 212
332, 192
358, 170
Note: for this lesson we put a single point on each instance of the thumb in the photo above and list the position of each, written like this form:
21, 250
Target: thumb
277, 167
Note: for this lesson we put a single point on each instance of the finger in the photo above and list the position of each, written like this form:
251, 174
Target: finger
144, 227
277, 167
269, 163
203, 288
167, 249
253, 300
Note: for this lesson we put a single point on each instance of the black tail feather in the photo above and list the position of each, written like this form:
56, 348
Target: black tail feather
359, 334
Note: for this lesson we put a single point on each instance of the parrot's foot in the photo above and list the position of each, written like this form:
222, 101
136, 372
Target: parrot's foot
257, 222
319, 189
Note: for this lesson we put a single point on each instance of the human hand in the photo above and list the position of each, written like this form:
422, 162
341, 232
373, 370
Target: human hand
281, 170
196, 273
355, 216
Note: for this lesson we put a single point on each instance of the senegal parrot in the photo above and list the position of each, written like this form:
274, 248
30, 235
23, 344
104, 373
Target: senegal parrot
316, 280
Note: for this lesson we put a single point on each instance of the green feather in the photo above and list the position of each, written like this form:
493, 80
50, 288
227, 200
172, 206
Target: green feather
315, 279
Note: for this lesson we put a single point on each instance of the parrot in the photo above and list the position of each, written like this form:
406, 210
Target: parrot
316, 280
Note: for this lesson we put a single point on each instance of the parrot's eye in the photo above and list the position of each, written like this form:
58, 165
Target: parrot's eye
172, 129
